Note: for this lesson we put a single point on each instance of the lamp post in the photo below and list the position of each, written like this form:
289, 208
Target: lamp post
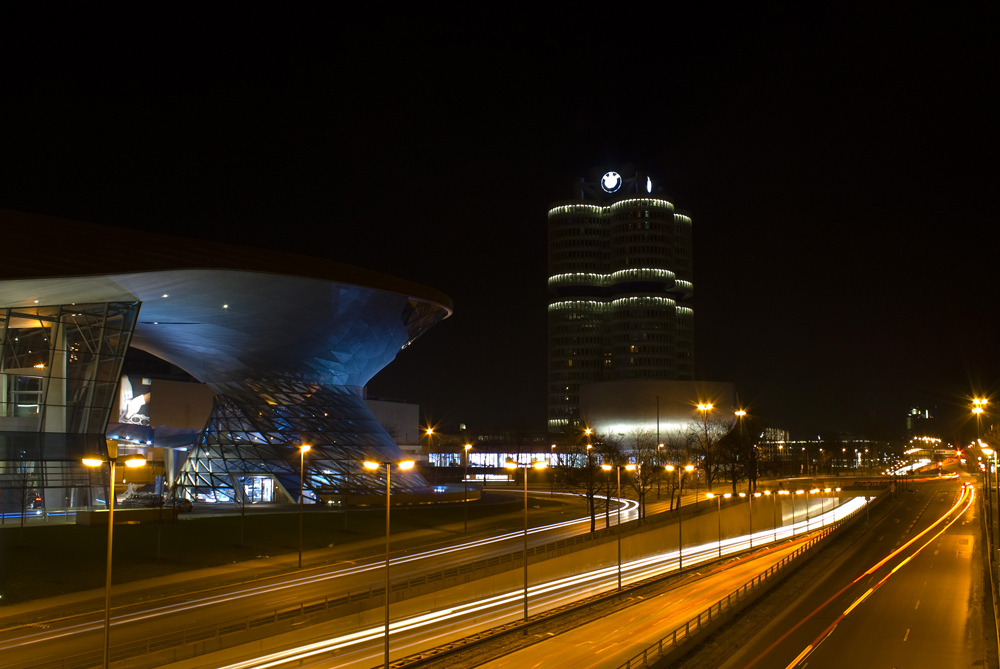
618, 530
465, 487
607, 496
710, 495
990, 455
704, 409
813, 491
552, 479
659, 449
511, 465
978, 408
303, 449
774, 514
372, 466
590, 486
750, 513
112, 460
740, 413
797, 492
785, 492
680, 516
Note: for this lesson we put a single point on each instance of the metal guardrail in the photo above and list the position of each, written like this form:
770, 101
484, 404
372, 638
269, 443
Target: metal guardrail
657, 651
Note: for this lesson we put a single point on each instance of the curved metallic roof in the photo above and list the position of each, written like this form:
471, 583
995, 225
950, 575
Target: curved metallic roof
223, 313
45, 246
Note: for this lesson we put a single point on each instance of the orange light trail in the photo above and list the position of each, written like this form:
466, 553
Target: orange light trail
967, 496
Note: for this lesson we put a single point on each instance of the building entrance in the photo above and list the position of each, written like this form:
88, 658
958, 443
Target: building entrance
259, 489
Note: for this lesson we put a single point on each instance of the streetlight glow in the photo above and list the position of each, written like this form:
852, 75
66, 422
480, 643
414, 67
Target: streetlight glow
370, 465
134, 460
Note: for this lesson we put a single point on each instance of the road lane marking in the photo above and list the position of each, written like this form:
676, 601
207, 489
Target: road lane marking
858, 601
917, 606
907, 635
799, 657
871, 571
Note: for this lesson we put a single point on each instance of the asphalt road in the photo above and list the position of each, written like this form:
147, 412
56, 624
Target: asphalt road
608, 643
910, 594
60, 636
426, 622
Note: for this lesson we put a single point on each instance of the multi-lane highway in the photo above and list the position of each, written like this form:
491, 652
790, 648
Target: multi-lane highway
420, 623
59, 637
909, 595
430, 623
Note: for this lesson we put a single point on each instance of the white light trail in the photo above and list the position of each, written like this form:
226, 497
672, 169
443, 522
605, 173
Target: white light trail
573, 588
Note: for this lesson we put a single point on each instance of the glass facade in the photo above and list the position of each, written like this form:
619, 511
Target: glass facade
620, 295
59, 369
249, 447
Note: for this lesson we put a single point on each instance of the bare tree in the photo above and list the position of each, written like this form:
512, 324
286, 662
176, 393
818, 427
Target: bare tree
677, 452
240, 497
641, 451
609, 451
24, 487
705, 435
585, 477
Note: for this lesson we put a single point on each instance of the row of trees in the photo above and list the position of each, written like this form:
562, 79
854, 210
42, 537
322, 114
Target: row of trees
718, 450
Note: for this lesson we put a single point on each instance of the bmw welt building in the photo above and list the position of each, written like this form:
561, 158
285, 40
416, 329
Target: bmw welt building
284, 342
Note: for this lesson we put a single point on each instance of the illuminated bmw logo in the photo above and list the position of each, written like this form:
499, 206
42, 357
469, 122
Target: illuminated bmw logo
611, 182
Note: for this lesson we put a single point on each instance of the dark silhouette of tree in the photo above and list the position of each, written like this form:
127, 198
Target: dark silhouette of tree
704, 434
586, 476
23, 480
640, 450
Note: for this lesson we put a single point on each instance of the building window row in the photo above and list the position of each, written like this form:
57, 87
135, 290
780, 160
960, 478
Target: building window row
575, 229
576, 242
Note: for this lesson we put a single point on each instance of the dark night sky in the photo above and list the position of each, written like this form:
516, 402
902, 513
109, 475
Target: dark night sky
838, 164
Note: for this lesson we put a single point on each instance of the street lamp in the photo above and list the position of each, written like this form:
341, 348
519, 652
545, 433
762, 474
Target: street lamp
978, 408
786, 492
740, 413
680, 516
618, 530
750, 513
704, 409
590, 487
659, 448
552, 479
813, 491
774, 512
465, 484
511, 465
607, 495
303, 449
989, 453
96, 461
710, 495
797, 492
372, 466
671, 468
